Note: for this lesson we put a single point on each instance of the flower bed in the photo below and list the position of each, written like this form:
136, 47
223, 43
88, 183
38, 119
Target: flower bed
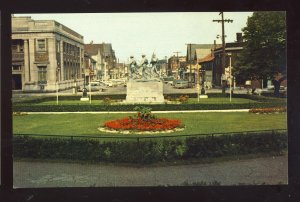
156, 124
268, 110
143, 121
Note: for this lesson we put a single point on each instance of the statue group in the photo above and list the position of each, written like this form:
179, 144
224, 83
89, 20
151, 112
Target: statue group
144, 71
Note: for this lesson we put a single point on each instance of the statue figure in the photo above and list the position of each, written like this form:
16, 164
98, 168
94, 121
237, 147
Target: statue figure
146, 72
133, 68
154, 69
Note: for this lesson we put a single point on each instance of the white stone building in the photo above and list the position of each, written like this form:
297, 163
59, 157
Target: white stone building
46, 55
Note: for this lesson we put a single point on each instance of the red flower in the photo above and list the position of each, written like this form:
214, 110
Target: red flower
140, 124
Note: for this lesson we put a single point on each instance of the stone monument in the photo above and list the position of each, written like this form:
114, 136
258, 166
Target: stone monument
144, 85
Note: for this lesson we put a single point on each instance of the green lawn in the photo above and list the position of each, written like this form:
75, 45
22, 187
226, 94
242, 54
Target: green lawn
196, 123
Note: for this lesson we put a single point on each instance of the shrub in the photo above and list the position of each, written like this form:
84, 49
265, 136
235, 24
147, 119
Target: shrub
268, 110
107, 100
183, 98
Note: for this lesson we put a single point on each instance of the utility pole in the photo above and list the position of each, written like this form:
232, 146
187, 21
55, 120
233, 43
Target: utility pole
223, 46
177, 61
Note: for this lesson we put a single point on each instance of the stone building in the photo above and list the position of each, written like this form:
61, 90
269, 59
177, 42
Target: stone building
46, 55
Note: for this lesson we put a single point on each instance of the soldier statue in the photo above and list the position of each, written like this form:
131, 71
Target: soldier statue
145, 69
154, 68
133, 67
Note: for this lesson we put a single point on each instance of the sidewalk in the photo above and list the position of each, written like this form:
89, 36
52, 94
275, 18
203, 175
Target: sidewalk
133, 112
267, 170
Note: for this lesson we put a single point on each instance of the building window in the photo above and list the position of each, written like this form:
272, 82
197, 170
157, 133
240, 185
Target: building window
57, 46
42, 74
20, 48
64, 47
14, 48
41, 45
16, 67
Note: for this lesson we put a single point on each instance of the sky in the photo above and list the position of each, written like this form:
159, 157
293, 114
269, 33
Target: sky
144, 33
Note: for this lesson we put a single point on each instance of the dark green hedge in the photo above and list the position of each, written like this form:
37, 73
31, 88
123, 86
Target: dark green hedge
147, 151
35, 100
154, 107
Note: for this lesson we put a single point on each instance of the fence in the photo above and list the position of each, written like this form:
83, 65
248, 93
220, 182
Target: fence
148, 149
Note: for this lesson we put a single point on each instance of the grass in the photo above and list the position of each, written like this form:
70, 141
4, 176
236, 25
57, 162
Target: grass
196, 123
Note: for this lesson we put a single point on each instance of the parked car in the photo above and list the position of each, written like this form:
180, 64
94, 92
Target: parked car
95, 86
181, 84
270, 89
109, 83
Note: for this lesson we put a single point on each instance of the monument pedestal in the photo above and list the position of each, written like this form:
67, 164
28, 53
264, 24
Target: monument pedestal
144, 92
84, 99
203, 96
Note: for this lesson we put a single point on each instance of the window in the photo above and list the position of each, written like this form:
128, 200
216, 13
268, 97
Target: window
57, 46
21, 48
41, 45
16, 67
14, 48
42, 74
64, 47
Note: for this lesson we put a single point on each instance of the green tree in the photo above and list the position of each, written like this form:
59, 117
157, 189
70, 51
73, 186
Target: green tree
264, 53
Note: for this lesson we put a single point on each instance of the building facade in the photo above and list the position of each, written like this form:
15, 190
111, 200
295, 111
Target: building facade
105, 57
46, 55
233, 49
89, 68
176, 66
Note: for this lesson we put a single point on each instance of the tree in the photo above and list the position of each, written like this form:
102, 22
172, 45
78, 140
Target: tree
264, 53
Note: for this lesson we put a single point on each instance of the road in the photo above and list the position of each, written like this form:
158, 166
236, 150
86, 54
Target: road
167, 89
266, 170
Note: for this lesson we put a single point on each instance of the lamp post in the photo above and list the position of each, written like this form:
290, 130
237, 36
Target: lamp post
230, 81
198, 83
202, 81
57, 78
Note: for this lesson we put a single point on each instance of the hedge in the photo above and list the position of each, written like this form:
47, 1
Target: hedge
147, 151
35, 100
154, 107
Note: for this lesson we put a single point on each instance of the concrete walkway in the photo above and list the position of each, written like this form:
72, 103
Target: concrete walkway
133, 112
267, 170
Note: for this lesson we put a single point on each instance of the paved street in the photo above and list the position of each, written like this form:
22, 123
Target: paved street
267, 170
168, 89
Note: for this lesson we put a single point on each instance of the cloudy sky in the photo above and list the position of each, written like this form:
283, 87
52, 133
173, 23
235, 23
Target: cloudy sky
145, 33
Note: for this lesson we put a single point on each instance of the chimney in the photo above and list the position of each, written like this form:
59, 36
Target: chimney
239, 37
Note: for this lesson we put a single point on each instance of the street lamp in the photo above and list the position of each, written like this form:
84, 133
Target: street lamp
202, 81
57, 86
230, 81
198, 82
